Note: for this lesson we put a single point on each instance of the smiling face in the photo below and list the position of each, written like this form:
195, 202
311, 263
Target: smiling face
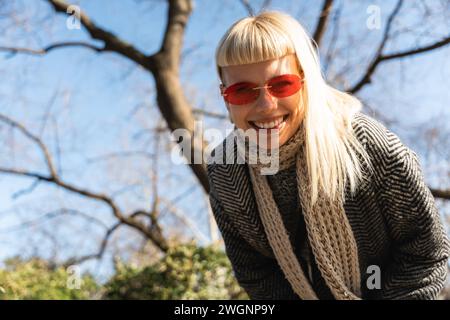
282, 114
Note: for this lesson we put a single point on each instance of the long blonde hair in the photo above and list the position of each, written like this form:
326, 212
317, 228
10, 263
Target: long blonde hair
332, 149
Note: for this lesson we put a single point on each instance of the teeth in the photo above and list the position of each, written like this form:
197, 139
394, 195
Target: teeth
269, 125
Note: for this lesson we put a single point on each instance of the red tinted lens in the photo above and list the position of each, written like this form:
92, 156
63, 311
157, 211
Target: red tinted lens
241, 93
285, 85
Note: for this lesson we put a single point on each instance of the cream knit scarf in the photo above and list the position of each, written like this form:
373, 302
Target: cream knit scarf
329, 232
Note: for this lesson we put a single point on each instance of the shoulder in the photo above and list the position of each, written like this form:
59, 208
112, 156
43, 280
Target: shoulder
379, 141
389, 156
372, 133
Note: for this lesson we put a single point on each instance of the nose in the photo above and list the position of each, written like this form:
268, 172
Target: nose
265, 100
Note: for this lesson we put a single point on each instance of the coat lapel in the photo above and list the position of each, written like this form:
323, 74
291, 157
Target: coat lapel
233, 185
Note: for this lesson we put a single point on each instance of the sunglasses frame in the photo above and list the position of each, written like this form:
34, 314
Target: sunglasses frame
223, 88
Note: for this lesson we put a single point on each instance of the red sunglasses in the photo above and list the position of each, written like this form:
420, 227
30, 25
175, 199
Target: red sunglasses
246, 92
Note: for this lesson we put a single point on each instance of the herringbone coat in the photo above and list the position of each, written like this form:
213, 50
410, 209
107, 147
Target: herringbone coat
393, 217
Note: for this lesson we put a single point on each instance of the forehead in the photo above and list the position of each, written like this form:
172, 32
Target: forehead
261, 71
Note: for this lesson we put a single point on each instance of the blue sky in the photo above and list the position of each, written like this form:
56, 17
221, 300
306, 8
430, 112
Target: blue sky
98, 98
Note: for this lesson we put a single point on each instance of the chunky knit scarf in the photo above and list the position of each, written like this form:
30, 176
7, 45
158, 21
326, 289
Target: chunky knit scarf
329, 232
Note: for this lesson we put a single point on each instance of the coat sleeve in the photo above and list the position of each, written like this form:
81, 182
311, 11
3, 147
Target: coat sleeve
420, 247
259, 275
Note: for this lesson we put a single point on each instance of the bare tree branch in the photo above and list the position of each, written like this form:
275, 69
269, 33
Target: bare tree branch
265, 5
251, 12
171, 101
438, 193
100, 253
111, 41
248, 7
445, 41
52, 215
27, 190
171, 48
381, 57
407, 53
51, 47
323, 19
34, 138
334, 37
153, 233
163, 65
123, 154
375, 61
184, 219
210, 114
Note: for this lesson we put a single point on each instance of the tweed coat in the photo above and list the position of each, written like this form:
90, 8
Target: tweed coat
393, 216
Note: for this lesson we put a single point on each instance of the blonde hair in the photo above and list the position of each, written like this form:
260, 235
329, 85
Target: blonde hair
332, 149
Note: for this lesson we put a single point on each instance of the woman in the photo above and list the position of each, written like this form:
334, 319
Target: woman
348, 215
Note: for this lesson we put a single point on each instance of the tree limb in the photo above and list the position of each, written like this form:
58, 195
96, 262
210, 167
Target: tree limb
411, 52
407, 53
123, 154
52, 215
27, 190
99, 254
265, 5
381, 57
322, 23
111, 41
185, 220
210, 114
34, 138
376, 60
104, 243
251, 12
154, 233
51, 47
163, 65
334, 36
439, 193
179, 12
155, 236
248, 7
172, 103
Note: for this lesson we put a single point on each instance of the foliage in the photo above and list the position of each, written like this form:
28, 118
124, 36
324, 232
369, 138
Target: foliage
37, 279
186, 272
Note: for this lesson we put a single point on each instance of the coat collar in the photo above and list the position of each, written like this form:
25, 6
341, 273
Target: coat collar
234, 190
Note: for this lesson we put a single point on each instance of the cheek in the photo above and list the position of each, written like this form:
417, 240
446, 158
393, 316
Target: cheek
296, 110
238, 114
293, 106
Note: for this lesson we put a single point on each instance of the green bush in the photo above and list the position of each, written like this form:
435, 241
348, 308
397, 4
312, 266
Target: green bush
36, 279
186, 272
